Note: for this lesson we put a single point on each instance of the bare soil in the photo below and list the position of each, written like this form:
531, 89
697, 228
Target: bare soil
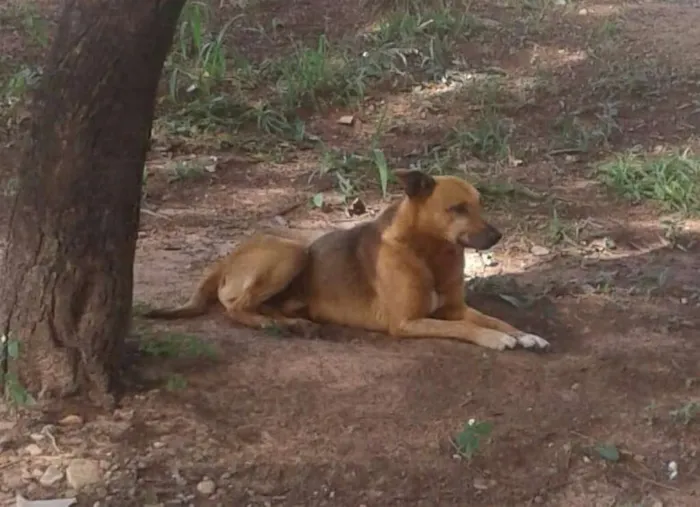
355, 419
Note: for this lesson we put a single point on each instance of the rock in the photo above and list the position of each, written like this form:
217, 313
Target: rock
346, 120
539, 250
6, 426
12, 480
33, 450
83, 472
480, 484
71, 420
206, 487
51, 476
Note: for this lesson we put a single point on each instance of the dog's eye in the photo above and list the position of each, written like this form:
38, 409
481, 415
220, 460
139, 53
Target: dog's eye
460, 208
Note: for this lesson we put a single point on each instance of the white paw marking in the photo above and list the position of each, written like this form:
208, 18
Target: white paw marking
529, 341
507, 341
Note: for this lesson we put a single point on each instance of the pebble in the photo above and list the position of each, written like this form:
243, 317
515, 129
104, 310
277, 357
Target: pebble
51, 476
83, 472
206, 487
539, 250
71, 420
33, 450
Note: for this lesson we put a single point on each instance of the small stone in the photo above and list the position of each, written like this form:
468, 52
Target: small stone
206, 487
539, 250
158, 444
33, 450
6, 426
488, 260
83, 472
71, 420
657, 503
51, 476
538, 500
346, 120
12, 479
480, 484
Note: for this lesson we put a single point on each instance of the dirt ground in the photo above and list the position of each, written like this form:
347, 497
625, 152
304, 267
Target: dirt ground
354, 419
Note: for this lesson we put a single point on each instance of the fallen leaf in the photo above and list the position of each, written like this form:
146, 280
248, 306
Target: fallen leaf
608, 452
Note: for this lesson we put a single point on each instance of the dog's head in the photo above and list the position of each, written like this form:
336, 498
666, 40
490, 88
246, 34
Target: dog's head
448, 207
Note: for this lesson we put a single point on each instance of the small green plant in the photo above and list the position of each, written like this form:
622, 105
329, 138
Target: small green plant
489, 138
418, 38
468, 441
19, 84
686, 413
198, 61
13, 390
175, 345
608, 452
671, 179
176, 382
576, 134
312, 75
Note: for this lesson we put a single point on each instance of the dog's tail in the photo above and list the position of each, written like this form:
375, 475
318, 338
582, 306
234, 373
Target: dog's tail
201, 299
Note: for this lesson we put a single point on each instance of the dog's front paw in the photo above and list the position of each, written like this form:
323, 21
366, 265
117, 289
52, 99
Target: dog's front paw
532, 341
496, 340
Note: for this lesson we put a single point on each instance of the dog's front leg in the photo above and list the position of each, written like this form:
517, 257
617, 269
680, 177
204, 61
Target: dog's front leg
461, 312
462, 330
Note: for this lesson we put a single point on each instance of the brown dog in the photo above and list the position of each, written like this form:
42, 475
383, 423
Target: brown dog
401, 273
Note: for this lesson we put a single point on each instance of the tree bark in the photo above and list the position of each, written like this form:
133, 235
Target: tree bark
68, 268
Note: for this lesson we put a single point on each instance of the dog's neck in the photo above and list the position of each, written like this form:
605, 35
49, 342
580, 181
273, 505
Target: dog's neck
400, 225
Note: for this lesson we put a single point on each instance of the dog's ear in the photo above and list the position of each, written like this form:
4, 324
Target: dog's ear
415, 183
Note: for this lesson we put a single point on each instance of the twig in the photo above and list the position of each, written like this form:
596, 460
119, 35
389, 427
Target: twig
654, 482
566, 151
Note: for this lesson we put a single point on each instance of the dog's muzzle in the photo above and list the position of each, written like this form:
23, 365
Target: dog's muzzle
482, 240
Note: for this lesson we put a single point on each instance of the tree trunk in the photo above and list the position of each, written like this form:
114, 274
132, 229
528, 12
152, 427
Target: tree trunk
68, 270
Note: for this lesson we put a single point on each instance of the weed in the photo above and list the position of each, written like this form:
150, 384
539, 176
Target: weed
468, 441
175, 382
19, 84
13, 390
418, 38
686, 413
198, 60
576, 133
175, 345
313, 75
487, 139
671, 179
186, 171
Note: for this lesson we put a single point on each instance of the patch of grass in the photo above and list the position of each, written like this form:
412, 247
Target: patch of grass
189, 170
421, 38
176, 345
13, 390
487, 139
15, 88
27, 19
686, 413
175, 382
671, 179
584, 135
198, 61
314, 75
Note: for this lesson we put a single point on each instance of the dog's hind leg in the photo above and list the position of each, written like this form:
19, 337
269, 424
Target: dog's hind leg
258, 275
